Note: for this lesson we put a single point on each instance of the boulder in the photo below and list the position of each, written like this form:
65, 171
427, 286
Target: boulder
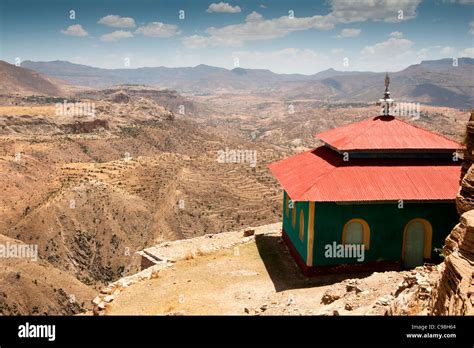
249, 232
453, 293
120, 97
109, 298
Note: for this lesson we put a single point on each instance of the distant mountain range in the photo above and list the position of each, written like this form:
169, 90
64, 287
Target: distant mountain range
15, 79
435, 82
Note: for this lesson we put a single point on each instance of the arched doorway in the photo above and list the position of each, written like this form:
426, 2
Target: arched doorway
416, 243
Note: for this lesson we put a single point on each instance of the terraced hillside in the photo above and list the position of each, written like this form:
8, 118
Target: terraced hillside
92, 190
91, 200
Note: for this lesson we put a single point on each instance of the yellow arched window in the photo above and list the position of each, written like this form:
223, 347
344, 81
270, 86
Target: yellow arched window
301, 224
293, 214
356, 231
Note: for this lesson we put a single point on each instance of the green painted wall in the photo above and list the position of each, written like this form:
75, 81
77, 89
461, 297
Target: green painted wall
387, 223
293, 233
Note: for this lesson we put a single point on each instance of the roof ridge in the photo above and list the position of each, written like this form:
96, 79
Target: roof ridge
309, 151
321, 176
355, 136
362, 133
427, 130
338, 128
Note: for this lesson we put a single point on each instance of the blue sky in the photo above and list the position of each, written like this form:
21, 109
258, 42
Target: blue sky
296, 36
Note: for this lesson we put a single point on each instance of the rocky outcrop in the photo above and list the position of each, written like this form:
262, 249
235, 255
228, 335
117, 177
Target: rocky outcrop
453, 294
465, 198
469, 142
120, 97
85, 126
108, 294
413, 294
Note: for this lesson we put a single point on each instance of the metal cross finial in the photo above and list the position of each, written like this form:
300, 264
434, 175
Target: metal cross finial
387, 82
386, 101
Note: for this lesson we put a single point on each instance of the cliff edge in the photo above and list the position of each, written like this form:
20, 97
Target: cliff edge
453, 293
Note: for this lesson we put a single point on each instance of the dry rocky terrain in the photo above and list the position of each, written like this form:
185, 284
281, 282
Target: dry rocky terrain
36, 287
17, 80
92, 190
289, 125
250, 272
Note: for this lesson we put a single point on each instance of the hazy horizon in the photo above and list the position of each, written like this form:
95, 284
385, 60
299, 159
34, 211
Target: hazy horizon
241, 67
304, 37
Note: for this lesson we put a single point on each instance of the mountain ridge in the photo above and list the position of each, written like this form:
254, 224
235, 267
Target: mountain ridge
432, 82
24, 81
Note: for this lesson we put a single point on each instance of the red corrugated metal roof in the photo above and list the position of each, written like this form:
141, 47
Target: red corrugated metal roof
385, 133
321, 175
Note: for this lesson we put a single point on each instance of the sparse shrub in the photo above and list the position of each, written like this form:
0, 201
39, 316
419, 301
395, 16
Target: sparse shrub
189, 255
84, 149
440, 253
131, 131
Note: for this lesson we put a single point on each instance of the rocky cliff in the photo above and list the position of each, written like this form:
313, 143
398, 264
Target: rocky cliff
454, 292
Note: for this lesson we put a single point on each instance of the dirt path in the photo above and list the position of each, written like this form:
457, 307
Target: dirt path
257, 277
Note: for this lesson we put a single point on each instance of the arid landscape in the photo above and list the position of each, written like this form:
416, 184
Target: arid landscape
252, 171
92, 189
257, 276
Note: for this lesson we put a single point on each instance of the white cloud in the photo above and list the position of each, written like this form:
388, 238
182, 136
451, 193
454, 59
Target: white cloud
467, 52
392, 54
347, 11
75, 30
255, 27
199, 41
396, 34
253, 17
471, 27
349, 32
422, 54
158, 29
116, 36
391, 47
223, 7
451, 52
196, 41
447, 51
117, 21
